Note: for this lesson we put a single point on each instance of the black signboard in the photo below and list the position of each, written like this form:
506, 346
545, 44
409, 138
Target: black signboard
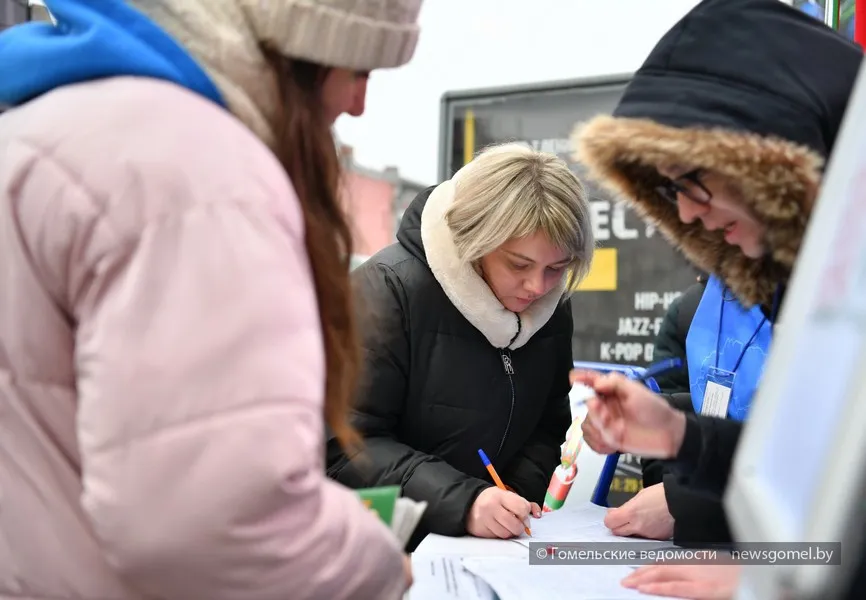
636, 274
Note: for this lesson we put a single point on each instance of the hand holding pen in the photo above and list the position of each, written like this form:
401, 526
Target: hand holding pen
498, 512
625, 416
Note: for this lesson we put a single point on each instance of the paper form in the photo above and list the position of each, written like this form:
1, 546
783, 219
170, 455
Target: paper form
577, 523
407, 515
515, 579
444, 578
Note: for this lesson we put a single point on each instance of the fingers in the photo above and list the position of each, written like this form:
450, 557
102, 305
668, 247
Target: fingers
507, 521
500, 514
615, 433
597, 415
609, 428
654, 574
591, 434
667, 573
507, 517
617, 517
487, 532
620, 521
482, 530
497, 529
626, 530
516, 505
587, 378
609, 384
691, 590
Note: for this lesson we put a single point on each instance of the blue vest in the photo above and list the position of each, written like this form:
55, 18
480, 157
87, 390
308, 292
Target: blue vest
720, 330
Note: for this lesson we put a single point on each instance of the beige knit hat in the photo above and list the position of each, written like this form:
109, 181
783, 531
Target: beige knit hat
361, 35
225, 37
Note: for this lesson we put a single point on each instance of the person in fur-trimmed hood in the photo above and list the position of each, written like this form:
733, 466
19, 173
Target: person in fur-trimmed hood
469, 343
720, 141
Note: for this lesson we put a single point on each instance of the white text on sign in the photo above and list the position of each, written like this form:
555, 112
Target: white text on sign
653, 300
626, 352
639, 326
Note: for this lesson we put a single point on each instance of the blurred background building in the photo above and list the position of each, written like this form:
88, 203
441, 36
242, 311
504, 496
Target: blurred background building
839, 14
375, 202
11, 12
18, 11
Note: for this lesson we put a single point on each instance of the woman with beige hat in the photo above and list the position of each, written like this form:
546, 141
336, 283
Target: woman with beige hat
175, 311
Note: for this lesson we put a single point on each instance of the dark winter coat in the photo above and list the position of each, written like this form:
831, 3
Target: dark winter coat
671, 339
728, 89
442, 381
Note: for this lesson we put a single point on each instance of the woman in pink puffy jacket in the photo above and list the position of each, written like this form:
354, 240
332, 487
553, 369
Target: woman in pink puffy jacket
174, 300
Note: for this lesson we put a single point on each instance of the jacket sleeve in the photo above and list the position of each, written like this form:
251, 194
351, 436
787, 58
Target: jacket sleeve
707, 452
385, 460
530, 472
669, 343
654, 470
699, 515
200, 380
696, 480
671, 339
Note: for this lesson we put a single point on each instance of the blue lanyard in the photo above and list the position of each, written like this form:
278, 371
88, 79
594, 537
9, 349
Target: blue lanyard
776, 298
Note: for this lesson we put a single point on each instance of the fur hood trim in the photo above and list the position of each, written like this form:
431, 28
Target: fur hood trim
779, 180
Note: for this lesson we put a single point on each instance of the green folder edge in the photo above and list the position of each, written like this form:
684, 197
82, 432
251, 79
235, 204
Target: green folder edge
382, 500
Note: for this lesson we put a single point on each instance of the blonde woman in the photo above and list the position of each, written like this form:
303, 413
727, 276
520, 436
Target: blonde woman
175, 317
469, 344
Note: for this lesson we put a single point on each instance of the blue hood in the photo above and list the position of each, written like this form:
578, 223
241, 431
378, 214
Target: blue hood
93, 39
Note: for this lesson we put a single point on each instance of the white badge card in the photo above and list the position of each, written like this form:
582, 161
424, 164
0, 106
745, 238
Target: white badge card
717, 395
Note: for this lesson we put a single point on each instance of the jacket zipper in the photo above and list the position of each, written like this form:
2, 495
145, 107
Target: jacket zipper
509, 371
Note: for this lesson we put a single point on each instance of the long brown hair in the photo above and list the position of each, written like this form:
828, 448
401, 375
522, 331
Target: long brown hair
305, 147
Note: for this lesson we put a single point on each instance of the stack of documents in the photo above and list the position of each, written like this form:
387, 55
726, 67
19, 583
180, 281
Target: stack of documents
444, 578
407, 515
467, 575
515, 579
503, 578
576, 524
402, 515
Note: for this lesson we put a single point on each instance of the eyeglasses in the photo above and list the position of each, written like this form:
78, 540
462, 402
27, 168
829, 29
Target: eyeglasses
689, 185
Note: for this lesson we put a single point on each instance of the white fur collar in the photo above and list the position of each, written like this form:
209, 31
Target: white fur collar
466, 289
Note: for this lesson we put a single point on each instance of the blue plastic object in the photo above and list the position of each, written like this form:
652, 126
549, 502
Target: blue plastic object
602, 486
813, 9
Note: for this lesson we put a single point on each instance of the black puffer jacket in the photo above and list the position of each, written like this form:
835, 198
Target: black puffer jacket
437, 389
754, 90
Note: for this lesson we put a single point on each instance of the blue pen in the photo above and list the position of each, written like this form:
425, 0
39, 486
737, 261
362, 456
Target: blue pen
653, 370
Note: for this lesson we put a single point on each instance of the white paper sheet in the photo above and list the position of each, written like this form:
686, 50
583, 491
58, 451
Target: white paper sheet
444, 578
407, 515
515, 579
577, 523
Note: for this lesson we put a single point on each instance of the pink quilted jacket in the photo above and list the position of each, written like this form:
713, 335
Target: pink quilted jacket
161, 364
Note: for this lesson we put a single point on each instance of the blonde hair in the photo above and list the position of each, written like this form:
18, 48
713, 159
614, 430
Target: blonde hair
510, 191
